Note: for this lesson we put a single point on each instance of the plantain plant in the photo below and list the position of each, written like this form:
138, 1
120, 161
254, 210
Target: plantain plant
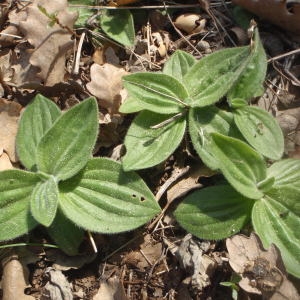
232, 137
64, 188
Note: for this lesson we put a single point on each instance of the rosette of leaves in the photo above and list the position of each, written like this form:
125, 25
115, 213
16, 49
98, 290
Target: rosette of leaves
65, 189
235, 140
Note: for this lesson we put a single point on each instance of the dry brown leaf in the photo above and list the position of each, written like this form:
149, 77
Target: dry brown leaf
50, 43
14, 280
9, 116
262, 271
57, 287
111, 290
106, 85
275, 11
5, 163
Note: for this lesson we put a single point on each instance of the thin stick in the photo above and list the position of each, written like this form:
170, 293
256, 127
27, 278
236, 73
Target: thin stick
92, 242
78, 54
284, 55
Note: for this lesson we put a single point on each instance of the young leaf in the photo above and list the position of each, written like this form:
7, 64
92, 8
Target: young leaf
146, 146
250, 83
206, 120
179, 64
260, 130
276, 219
118, 25
104, 198
211, 78
242, 166
285, 172
131, 105
44, 200
67, 146
36, 120
214, 213
65, 234
156, 92
15, 189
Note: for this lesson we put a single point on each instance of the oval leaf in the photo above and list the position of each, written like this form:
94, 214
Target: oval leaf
156, 92
44, 201
211, 78
276, 219
16, 187
206, 120
242, 166
250, 83
36, 120
179, 64
118, 25
260, 130
131, 105
67, 146
147, 147
104, 198
214, 213
285, 172
65, 234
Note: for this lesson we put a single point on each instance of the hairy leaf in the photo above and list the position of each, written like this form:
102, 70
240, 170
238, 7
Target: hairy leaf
212, 77
206, 120
242, 166
276, 219
260, 130
156, 92
146, 146
285, 172
250, 83
15, 189
36, 120
214, 213
104, 198
67, 146
44, 201
118, 25
179, 64
65, 233
131, 105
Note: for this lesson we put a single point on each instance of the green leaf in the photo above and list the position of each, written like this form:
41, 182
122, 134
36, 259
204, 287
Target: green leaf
65, 234
212, 77
15, 189
260, 130
250, 83
83, 13
179, 64
276, 219
156, 92
206, 120
104, 198
131, 105
285, 172
67, 146
44, 201
118, 25
214, 213
36, 120
242, 166
146, 146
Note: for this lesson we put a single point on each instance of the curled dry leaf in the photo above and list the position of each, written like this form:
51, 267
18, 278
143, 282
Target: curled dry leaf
15, 279
5, 163
51, 43
9, 116
262, 271
276, 12
111, 290
106, 85
190, 23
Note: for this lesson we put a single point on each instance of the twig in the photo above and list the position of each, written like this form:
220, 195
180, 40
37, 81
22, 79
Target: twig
78, 54
92, 242
296, 51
